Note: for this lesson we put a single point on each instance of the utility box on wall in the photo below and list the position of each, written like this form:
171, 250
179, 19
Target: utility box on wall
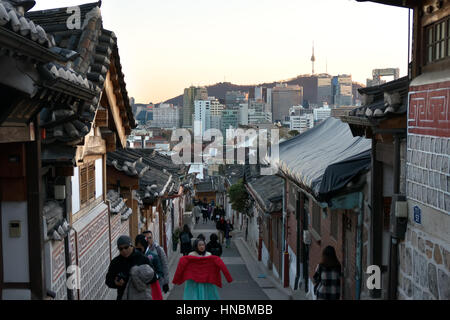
13, 172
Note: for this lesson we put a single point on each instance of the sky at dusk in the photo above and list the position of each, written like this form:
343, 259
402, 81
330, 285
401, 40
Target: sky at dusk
166, 46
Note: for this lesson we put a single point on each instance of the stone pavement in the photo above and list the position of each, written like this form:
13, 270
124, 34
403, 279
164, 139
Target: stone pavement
243, 268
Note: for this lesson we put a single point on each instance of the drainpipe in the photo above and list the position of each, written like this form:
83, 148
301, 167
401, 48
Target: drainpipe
393, 275
359, 246
299, 213
284, 237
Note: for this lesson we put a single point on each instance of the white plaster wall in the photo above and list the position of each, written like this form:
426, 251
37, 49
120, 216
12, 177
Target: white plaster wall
275, 271
75, 191
15, 250
292, 267
98, 178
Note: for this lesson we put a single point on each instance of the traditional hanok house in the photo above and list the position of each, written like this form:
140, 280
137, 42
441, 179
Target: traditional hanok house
211, 190
74, 153
34, 74
325, 171
122, 175
267, 213
425, 254
153, 189
382, 119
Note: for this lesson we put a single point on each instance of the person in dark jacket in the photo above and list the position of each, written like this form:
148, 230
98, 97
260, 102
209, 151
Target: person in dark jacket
327, 278
185, 240
119, 268
214, 246
228, 229
221, 226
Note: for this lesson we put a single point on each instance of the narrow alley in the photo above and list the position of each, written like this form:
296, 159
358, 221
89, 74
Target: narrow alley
250, 280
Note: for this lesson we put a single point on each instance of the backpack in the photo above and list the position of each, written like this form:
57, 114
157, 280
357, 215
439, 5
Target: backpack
185, 238
215, 251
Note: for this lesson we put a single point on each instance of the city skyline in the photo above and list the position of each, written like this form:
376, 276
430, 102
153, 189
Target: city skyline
166, 47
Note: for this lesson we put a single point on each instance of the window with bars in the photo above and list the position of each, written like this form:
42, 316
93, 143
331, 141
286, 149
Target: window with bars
316, 218
87, 183
437, 41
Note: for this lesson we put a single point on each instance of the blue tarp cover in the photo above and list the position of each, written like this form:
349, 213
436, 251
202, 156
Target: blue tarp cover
325, 158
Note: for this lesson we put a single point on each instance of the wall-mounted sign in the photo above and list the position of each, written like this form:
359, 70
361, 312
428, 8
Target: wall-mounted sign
417, 215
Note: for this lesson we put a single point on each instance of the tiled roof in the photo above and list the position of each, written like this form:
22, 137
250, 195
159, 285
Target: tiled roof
150, 167
93, 51
384, 100
55, 82
12, 19
118, 205
268, 191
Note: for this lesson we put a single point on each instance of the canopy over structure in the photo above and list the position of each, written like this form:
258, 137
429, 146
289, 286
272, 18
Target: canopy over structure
324, 159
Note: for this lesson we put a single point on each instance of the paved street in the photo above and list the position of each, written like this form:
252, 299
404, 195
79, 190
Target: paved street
244, 286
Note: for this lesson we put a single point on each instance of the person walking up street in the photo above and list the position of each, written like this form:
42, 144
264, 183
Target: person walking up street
228, 229
141, 244
327, 278
221, 224
201, 272
198, 213
185, 240
214, 246
119, 269
156, 249
210, 210
204, 211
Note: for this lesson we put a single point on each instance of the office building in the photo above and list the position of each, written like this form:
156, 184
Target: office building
166, 116
190, 95
324, 90
301, 123
343, 90
321, 113
283, 98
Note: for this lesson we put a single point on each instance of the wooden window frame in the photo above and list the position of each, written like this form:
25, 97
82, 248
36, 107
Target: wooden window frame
90, 185
444, 40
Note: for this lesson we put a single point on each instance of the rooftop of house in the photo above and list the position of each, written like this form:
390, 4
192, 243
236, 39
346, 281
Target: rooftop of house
93, 52
268, 191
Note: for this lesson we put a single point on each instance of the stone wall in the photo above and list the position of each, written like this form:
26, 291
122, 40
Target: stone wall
428, 178
424, 267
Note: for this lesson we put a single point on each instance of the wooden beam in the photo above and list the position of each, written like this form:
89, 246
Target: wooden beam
15, 134
109, 88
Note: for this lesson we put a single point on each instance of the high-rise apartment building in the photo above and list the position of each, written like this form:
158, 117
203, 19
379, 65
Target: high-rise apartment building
190, 95
283, 98
202, 116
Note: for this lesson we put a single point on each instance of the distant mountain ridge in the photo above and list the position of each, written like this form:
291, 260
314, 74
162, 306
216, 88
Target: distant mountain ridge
219, 90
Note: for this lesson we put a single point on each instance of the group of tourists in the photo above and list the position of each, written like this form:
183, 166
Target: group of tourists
140, 271
209, 212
